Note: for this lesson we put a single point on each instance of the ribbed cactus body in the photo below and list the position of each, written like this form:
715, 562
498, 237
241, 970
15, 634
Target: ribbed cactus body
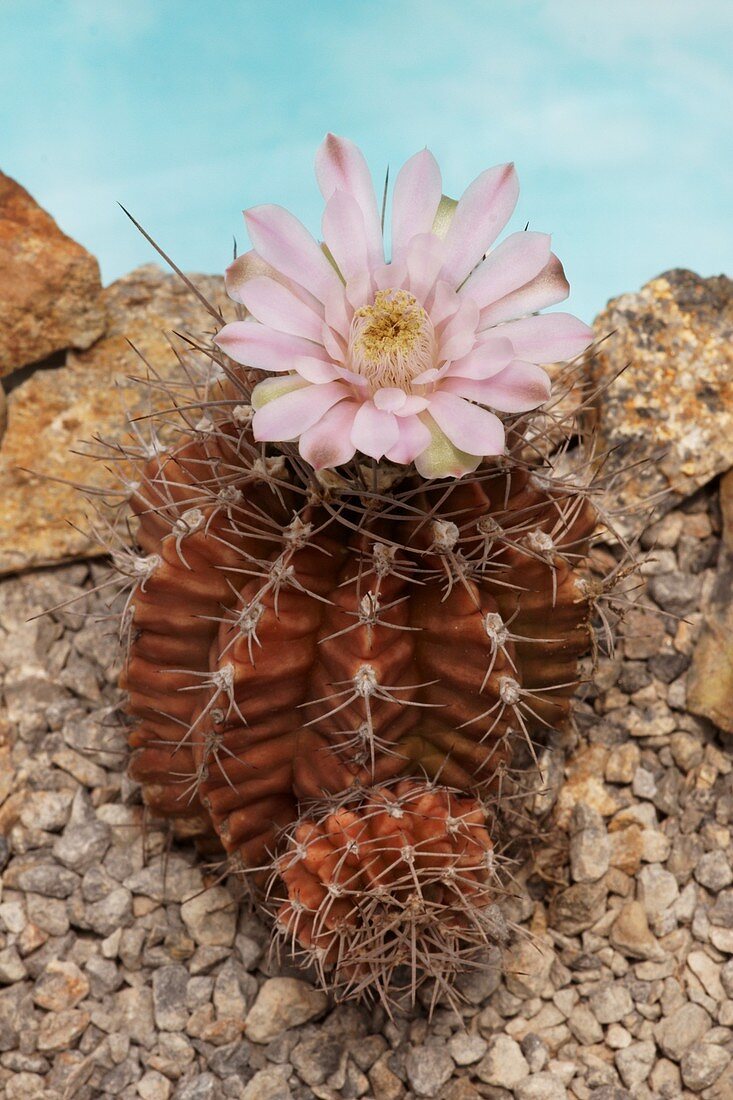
329, 679
282, 653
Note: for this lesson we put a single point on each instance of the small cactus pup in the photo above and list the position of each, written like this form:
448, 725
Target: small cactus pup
360, 573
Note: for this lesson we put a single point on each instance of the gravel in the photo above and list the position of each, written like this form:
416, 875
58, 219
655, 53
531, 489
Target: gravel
129, 969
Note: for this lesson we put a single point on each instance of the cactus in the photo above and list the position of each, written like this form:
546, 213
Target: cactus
330, 670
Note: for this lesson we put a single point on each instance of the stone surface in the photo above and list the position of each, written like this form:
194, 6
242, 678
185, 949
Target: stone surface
710, 679
428, 1068
702, 1065
282, 1003
50, 292
503, 1065
54, 411
673, 404
677, 1032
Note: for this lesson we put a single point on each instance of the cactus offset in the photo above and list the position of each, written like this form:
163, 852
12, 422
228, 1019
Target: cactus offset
330, 670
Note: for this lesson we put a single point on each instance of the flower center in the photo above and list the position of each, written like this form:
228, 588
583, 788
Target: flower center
391, 341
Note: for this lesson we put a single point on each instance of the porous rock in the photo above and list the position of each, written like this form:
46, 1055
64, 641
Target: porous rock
50, 291
673, 403
55, 410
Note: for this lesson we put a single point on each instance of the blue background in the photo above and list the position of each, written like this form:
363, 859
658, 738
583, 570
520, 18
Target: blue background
618, 116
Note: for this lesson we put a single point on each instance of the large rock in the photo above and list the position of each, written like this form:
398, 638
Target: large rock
55, 410
673, 403
50, 293
710, 679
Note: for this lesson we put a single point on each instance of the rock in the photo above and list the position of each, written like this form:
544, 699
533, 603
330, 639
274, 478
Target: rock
710, 679
527, 965
282, 1003
584, 1025
578, 907
36, 877
92, 394
631, 934
503, 1065
385, 1084
634, 1063
673, 404
316, 1059
708, 973
211, 917
658, 889
540, 1086
428, 1068
62, 1030
267, 1085
50, 291
62, 985
466, 1048
154, 1086
610, 1003
702, 1065
169, 997
714, 871
12, 968
676, 1033
203, 1087
589, 846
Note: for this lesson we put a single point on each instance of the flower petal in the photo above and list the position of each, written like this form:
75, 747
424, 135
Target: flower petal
484, 360
512, 264
440, 458
276, 306
315, 370
424, 261
414, 438
467, 426
546, 289
255, 345
327, 443
374, 432
417, 192
289, 416
340, 166
390, 399
459, 334
249, 266
483, 210
344, 233
550, 338
517, 388
283, 241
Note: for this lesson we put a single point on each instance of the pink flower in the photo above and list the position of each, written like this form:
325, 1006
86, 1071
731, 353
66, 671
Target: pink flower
398, 359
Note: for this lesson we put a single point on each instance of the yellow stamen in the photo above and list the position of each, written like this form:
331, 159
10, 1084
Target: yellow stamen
391, 341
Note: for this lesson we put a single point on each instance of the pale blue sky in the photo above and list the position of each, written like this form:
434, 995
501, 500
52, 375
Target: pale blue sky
618, 116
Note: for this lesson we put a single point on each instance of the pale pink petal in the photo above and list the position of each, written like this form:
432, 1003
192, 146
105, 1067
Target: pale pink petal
484, 360
424, 261
512, 264
315, 370
482, 212
444, 303
413, 439
276, 306
263, 348
467, 426
518, 388
334, 344
390, 399
374, 432
441, 458
250, 265
284, 242
338, 312
340, 166
459, 334
546, 289
288, 416
550, 338
327, 443
417, 192
344, 233
359, 291
413, 404
390, 276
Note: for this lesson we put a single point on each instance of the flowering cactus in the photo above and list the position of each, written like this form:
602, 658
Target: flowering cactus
357, 587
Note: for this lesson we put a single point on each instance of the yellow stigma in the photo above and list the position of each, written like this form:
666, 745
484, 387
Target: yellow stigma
392, 341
